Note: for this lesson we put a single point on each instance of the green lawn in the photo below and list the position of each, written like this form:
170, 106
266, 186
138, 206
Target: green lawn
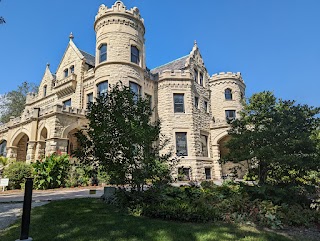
91, 219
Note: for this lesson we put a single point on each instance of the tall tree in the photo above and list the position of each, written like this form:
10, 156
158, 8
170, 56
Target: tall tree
13, 102
121, 139
276, 138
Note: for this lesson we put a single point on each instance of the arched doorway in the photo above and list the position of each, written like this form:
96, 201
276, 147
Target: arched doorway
229, 167
3, 148
22, 147
72, 141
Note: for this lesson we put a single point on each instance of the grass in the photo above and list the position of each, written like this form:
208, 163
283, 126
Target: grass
91, 219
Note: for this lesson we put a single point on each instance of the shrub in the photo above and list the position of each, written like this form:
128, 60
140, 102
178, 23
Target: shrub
17, 172
230, 202
52, 172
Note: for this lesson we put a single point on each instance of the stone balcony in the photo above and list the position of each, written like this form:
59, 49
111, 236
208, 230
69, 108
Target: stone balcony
66, 86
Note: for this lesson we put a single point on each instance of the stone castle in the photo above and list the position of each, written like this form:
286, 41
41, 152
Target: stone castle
192, 105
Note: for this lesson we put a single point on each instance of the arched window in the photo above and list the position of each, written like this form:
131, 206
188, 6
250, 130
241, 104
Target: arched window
102, 88
66, 73
136, 89
3, 148
72, 69
228, 94
135, 55
102, 53
45, 91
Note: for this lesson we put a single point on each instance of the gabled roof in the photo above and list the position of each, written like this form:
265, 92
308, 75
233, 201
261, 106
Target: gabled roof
177, 64
90, 59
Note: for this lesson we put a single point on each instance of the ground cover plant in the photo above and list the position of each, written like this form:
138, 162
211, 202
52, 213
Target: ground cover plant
92, 219
232, 202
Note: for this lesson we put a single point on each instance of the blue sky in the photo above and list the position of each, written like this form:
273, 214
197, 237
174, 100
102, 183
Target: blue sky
275, 44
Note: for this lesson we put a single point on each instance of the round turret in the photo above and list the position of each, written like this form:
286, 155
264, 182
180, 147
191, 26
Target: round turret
119, 44
227, 92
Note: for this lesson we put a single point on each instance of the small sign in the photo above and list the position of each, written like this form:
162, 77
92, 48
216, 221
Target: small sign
4, 182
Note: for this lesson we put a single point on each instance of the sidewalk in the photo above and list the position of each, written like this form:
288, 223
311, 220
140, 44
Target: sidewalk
11, 202
50, 195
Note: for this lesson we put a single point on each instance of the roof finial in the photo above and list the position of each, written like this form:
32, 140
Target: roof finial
48, 65
71, 37
195, 42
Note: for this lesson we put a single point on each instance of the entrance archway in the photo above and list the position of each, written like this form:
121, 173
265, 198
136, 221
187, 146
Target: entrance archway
42, 143
72, 141
22, 148
229, 167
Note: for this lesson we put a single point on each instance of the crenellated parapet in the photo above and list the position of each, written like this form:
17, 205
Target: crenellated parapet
175, 74
227, 75
118, 8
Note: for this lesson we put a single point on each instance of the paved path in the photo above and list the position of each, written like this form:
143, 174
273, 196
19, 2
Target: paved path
11, 202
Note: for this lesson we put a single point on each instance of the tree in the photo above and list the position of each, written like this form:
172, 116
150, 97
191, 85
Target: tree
276, 138
121, 139
13, 102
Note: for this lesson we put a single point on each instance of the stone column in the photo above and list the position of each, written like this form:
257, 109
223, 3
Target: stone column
31, 151
216, 165
40, 149
56, 145
12, 152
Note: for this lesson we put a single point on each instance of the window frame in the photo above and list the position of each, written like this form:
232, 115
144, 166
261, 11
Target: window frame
105, 90
65, 103
103, 55
179, 148
196, 75
88, 99
228, 118
196, 102
201, 79
135, 56
45, 90
66, 73
175, 104
228, 94
206, 106
207, 146
71, 69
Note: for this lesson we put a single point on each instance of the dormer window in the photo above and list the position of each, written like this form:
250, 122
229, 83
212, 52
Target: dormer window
135, 55
66, 73
44, 91
195, 75
201, 79
72, 69
103, 53
228, 94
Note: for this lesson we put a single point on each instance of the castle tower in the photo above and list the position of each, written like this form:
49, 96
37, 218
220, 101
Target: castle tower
227, 93
119, 45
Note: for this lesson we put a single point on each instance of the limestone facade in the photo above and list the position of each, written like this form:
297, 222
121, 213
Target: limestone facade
191, 104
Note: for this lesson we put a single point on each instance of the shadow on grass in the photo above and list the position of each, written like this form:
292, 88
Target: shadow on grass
91, 219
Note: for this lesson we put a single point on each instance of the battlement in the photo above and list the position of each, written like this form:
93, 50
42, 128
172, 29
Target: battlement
31, 97
227, 75
120, 8
176, 74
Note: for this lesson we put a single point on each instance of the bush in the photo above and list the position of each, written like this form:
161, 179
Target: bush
230, 202
52, 172
17, 172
